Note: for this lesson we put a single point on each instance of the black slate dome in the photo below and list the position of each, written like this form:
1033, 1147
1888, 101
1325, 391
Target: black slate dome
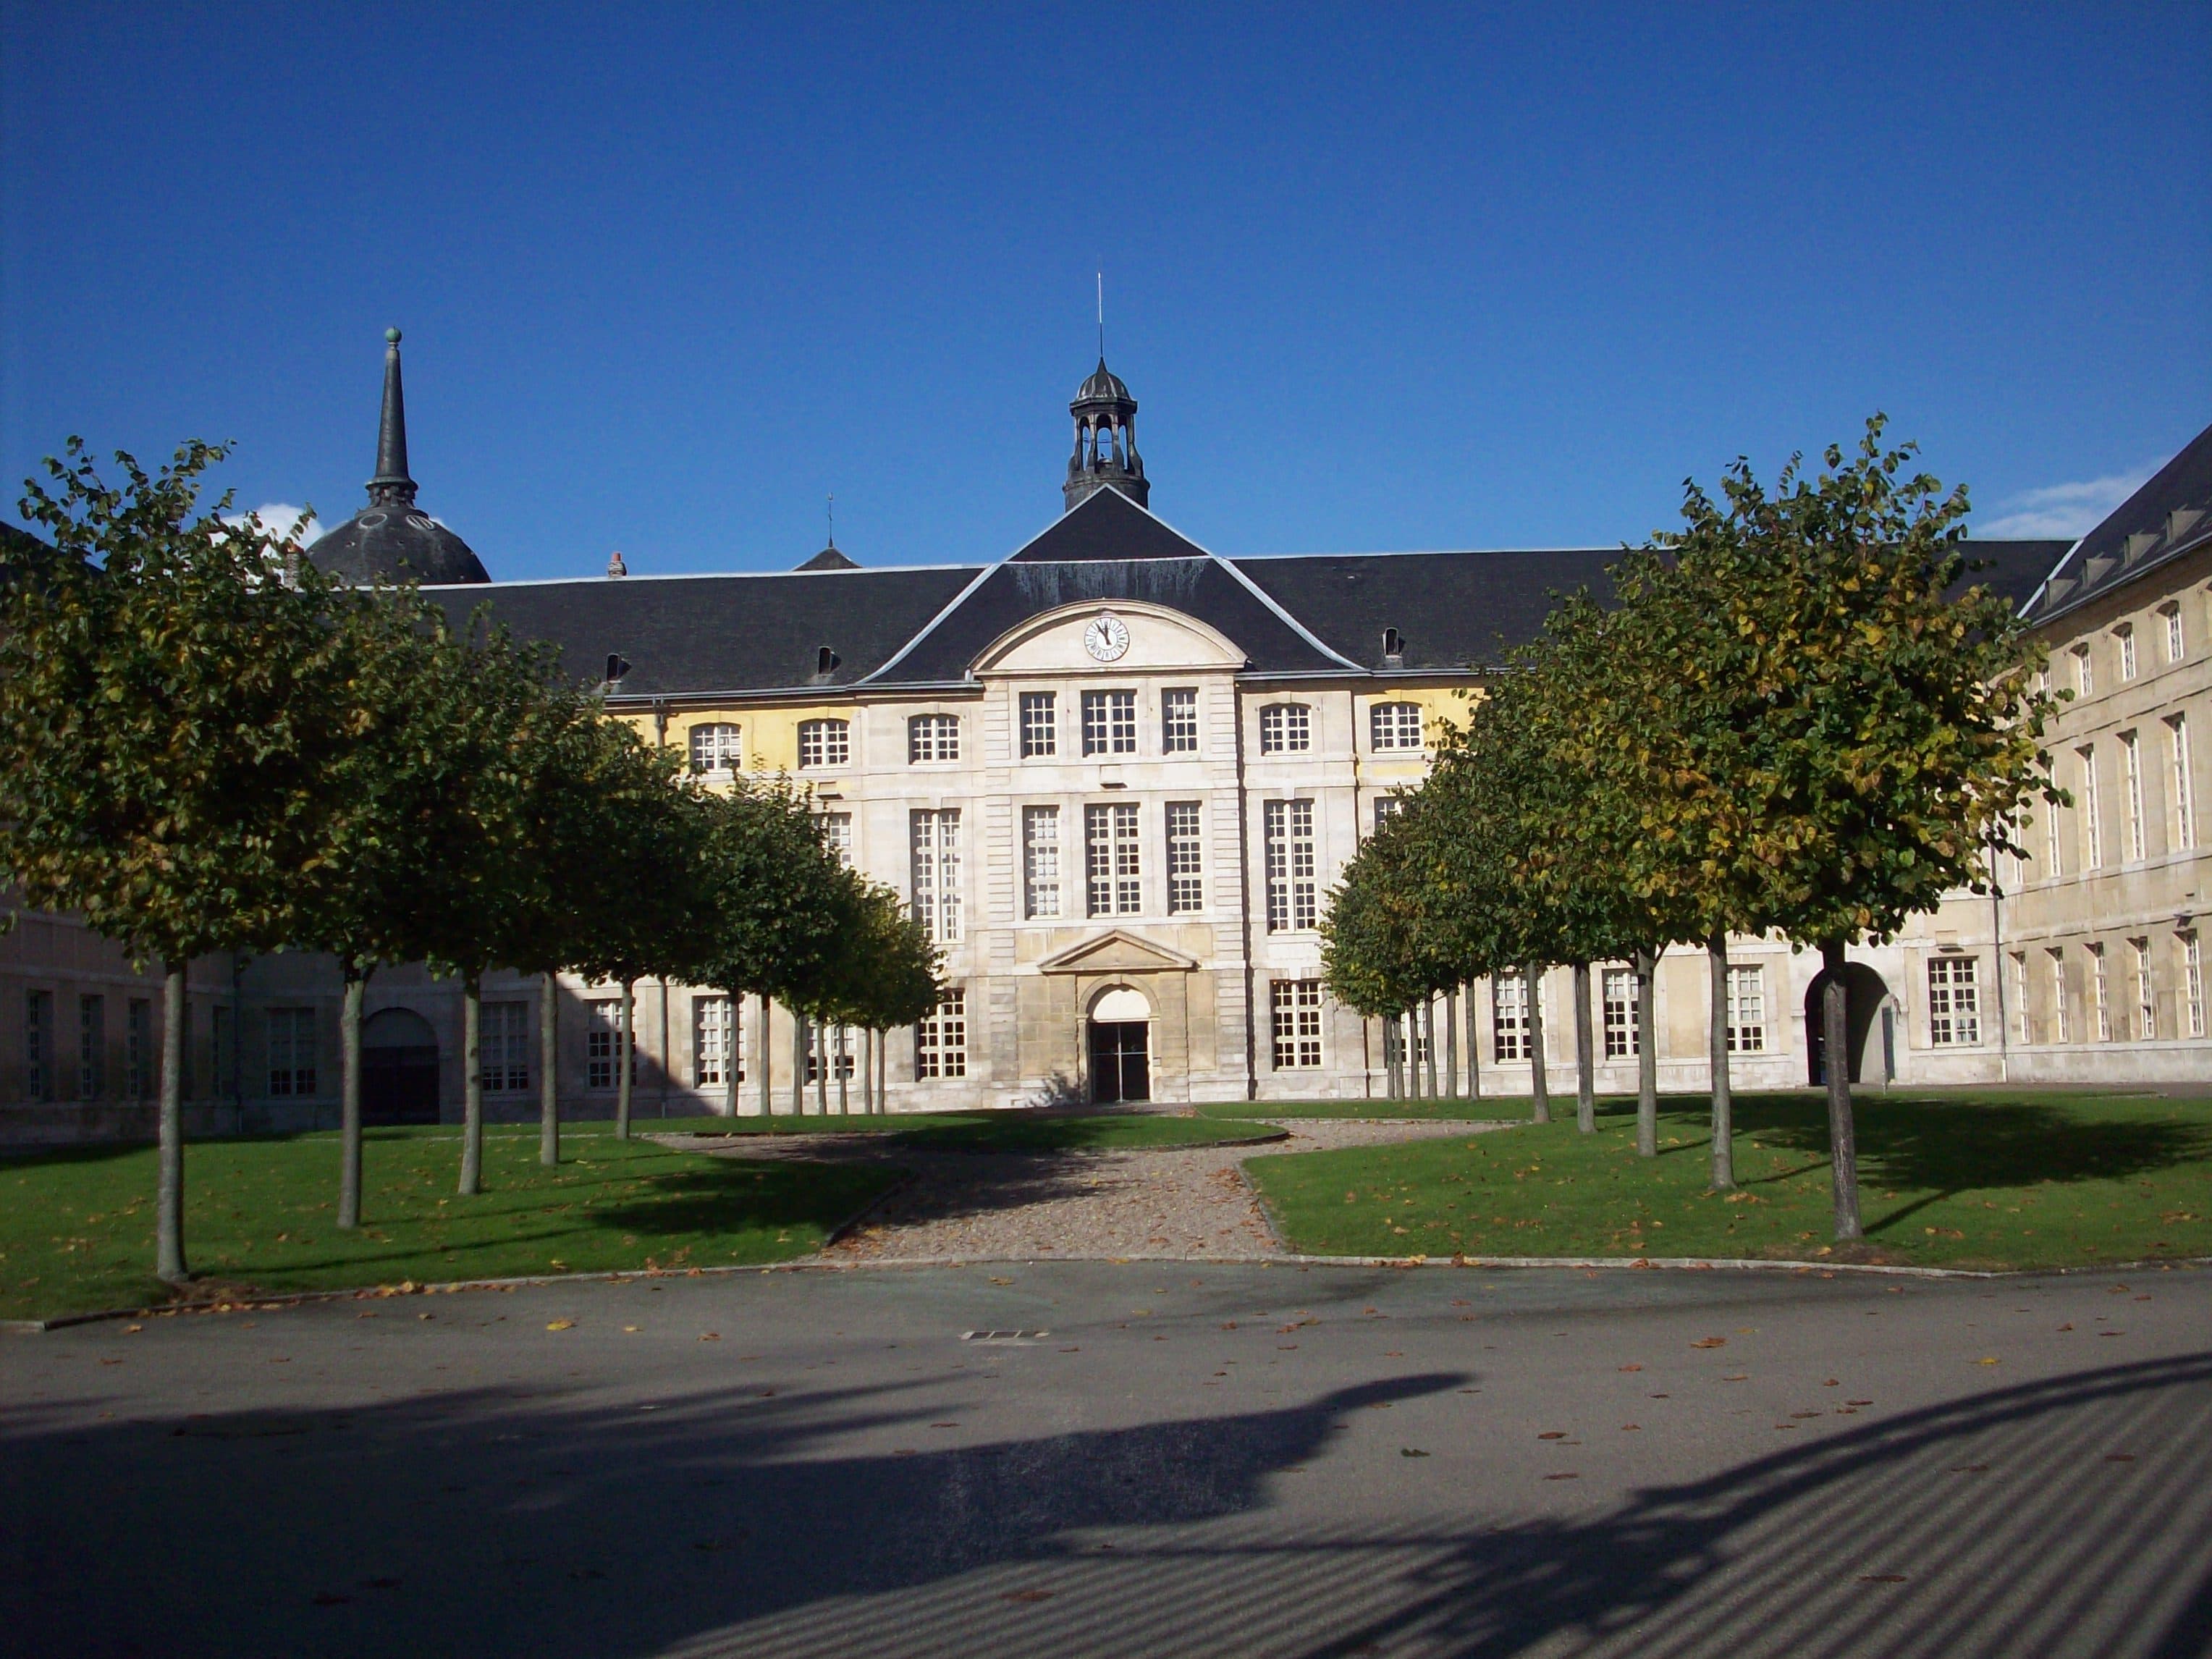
1104, 385
391, 539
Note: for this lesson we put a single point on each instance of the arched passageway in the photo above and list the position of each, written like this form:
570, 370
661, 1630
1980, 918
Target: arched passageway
399, 1068
1864, 996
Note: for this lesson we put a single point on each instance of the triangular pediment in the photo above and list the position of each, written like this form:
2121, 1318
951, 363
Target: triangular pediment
1117, 951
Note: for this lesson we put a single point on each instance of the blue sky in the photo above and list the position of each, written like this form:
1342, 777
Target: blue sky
1381, 278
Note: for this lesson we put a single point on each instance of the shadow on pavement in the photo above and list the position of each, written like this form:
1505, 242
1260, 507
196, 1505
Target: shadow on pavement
2073, 1516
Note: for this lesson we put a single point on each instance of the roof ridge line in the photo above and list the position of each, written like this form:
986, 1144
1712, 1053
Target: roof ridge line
930, 627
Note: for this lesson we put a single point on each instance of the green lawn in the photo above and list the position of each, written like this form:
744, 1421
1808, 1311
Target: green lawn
77, 1226
2024, 1181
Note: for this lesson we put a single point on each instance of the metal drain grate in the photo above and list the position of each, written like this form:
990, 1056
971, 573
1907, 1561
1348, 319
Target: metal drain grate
1003, 1336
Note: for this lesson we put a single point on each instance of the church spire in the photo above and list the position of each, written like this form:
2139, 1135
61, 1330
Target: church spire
1105, 441
392, 486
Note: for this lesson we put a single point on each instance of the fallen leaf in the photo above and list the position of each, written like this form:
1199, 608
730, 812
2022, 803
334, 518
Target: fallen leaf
561, 1325
132, 1330
1002, 1281
2119, 1457
629, 1330
1882, 1578
1553, 1434
1408, 1451
1564, 1476
1987, 1360
1711, 1342
710, 1336
1026, 1595
1631, 1367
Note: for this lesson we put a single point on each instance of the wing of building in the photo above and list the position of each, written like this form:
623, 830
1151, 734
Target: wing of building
1117, 774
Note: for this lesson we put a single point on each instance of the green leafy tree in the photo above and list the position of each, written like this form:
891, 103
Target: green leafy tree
168, 714
1885, 727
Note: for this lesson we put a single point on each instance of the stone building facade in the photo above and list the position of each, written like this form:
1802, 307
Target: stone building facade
1118, 775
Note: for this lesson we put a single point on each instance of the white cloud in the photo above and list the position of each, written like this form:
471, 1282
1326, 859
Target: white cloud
2063, 510
282, 517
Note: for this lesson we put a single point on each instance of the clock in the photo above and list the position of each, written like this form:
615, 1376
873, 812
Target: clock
1107, 638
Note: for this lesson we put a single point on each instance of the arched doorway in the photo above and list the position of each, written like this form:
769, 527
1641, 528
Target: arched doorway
1864, 994
399, 1068
1121, 1048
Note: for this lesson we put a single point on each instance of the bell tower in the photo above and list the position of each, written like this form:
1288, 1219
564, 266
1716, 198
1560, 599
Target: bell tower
1105, 441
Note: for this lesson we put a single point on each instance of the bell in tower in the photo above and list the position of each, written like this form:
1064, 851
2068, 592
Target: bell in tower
1105, 441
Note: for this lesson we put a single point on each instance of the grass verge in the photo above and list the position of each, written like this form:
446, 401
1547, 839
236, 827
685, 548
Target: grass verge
76, 1225
2029, 1181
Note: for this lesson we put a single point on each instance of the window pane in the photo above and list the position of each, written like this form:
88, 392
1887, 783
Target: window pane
1509, 1016
824, 742
1040, 725
715, 747
1186, 880
1041, 860
1178, 722
1296, 1004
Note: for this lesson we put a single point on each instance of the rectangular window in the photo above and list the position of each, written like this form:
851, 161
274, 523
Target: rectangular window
2184, 795
91, 1047
837, 836
940, 1042
715, 749
2053, 841
1288, 827
2192, 985
1185, 860
2020, 1028
2125, 633
1954, 1016
1109, 722
1040, 726
1179, 722
1041, 860
291, 1051
503, 1048
138, 1048
2062, 1012
2175, 645
222, 1039
1746, 1010
2092, 817
2085, 676
602, 1032
936, 872
1394, 1031
1621, 1033
1394, 726
835, 1040
1387, 807
1509, 1016
2100, 1002
1296, 1006
932, 737
1110, 838
2146, 991
824, 742
37, 1045
711, 1055
1285, 728
2131, 771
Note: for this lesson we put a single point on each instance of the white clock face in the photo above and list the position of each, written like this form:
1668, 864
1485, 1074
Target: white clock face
1108, 638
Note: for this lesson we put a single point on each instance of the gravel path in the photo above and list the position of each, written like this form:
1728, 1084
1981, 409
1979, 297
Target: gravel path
1188, 1203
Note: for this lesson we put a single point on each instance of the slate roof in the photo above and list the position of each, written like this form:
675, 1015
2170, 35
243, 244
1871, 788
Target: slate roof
2169, 516
1107, 525
702, 634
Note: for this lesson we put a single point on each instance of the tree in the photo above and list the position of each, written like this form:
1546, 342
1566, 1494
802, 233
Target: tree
167, 711
1885, 729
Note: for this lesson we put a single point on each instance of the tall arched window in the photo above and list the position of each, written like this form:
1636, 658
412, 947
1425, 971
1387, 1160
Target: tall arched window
824, 742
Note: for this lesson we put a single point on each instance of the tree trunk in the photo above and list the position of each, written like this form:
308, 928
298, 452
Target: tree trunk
1393, 1058
1410, 1023
625, 1055
1724, 1108
821, 1064
798, 1064
844, 1071
169, 1191
1843, 1139
1647, 1059
356, 983
1473, 1054
882, 1073
868, 1071
472, 1085
1451, 1045
767, 1099
549, 1080
1429, 1041
1585, 1054
1539, 1090
730, 1068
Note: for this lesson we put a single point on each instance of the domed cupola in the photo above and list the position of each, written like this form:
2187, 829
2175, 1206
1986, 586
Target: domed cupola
1105, 441
392, 540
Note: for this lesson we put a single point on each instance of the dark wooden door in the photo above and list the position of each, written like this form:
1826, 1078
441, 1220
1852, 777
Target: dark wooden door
1121, 1062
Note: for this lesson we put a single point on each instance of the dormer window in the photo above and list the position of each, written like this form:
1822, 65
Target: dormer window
1394, 726
824, 742
1285, 728
715, 748
932, 737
